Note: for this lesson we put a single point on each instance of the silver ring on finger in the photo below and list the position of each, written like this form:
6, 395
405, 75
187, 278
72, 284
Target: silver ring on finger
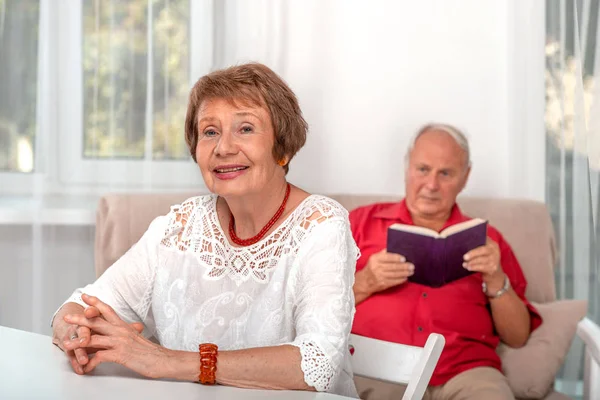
74, 334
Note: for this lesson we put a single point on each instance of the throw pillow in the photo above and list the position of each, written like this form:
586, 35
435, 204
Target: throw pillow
531, 369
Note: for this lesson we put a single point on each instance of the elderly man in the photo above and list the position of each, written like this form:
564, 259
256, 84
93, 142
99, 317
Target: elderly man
472, 320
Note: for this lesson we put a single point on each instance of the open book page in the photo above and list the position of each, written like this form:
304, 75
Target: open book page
463, 226
419, 230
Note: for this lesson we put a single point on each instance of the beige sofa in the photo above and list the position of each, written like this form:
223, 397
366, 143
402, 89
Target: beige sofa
123, 218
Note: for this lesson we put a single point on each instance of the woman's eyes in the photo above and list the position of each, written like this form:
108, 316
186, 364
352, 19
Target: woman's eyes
243, 129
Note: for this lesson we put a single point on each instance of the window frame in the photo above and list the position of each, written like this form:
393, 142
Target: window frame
73, 168
59, 164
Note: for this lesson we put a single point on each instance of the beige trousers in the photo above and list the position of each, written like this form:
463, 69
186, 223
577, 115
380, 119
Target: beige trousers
475, 384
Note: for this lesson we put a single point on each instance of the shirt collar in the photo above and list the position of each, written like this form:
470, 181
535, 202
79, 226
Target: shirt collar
399, 212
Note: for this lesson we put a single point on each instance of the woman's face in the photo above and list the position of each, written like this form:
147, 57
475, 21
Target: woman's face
235, 148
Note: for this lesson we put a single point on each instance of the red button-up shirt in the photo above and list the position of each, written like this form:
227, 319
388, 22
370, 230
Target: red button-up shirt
408, 313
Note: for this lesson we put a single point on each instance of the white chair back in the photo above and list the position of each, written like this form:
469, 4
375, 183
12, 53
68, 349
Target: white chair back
589, 332
397, 363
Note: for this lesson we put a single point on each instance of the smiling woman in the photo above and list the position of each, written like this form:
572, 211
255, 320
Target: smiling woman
267, 303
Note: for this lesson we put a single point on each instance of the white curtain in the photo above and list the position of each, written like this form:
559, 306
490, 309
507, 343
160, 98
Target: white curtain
573, 155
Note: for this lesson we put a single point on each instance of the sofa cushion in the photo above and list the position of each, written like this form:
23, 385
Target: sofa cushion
531, 369
553, 395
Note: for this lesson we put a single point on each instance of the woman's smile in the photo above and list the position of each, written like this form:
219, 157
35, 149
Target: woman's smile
230, 171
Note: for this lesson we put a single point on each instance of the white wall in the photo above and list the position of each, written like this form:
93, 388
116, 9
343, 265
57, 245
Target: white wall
369, 73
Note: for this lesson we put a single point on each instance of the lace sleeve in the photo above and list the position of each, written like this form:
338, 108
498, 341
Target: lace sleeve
324, 302
127, 285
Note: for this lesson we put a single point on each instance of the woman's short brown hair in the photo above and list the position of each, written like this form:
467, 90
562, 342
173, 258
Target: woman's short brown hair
259, 85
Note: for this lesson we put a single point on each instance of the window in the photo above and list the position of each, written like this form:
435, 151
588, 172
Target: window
573, 159
18, 83
571, 34
136, 77
94, 92
126, 69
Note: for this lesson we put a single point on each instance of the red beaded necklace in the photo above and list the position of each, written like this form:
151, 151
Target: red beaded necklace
264, 230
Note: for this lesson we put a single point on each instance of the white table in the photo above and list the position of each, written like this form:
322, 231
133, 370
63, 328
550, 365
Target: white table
31, 367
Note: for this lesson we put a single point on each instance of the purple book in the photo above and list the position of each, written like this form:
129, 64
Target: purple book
437, 257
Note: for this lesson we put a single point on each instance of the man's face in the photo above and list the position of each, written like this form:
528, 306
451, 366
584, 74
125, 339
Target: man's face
437, 172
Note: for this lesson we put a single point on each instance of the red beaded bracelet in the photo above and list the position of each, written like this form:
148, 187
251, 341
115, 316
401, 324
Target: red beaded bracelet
208, 363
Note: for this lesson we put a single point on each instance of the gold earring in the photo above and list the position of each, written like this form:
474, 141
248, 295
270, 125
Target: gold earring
281, 162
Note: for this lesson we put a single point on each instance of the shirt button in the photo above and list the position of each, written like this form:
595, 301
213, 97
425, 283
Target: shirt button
420, 329
424, 294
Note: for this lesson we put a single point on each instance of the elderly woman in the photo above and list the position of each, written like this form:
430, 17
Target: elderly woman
250, 286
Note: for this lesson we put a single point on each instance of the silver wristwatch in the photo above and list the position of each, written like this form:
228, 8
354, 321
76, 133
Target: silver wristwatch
499, 292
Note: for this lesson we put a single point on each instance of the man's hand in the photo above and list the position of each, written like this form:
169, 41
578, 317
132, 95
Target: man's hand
486, 259
383, 271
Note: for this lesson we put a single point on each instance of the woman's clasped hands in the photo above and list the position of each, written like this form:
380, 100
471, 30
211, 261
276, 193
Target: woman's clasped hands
104, 337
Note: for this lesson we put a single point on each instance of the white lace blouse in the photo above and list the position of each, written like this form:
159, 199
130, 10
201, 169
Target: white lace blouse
188, 285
